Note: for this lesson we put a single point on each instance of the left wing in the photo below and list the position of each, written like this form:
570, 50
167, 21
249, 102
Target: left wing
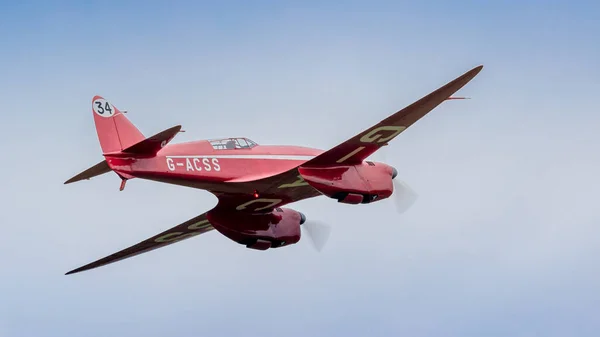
287, 187
274, 191
361, 146
192, 227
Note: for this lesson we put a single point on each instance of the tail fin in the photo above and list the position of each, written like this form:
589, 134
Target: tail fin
115, 131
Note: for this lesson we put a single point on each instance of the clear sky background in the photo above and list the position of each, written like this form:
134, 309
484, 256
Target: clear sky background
503, 240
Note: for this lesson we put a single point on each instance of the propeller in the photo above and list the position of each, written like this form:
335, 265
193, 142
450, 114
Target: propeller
317, 231
404, 196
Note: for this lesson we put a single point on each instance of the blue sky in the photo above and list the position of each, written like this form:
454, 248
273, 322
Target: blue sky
503, 239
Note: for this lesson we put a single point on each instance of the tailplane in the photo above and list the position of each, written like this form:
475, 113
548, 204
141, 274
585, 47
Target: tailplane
118, 136
96, 170
151, 145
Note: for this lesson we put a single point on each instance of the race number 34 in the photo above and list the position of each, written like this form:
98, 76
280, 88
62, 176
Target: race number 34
103, 108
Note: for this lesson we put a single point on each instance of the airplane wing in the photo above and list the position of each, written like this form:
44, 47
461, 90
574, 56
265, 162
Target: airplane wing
289, 186
195, 226
361, 146
275, 191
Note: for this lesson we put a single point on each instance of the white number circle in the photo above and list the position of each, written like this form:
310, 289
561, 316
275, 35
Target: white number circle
103, 108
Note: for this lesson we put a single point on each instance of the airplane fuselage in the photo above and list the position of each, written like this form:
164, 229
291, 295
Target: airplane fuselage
200, 164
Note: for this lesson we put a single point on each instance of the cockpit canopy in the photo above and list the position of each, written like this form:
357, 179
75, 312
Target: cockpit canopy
232, 143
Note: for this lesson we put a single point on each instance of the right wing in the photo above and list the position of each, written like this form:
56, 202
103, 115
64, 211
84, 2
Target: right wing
192, 227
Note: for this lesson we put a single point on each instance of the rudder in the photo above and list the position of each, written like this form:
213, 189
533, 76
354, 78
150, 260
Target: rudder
115, 131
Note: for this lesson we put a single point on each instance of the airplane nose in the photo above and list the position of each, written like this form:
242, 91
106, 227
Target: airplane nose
394, 172
302, 218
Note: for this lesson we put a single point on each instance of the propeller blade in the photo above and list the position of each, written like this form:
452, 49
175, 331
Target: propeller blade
318, 233
404, 196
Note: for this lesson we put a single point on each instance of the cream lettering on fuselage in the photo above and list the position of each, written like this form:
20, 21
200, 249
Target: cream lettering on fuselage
192, 164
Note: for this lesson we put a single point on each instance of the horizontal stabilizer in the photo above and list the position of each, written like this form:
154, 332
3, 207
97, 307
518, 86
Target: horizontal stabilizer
151, 145
96, 170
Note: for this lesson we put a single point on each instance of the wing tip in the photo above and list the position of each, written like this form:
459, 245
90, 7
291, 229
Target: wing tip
73, 271
70, 181
477, 69
74, 179
82, 268
463, 79
88, 266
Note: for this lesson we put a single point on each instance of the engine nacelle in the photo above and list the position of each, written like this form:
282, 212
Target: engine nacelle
279, 228
352, 184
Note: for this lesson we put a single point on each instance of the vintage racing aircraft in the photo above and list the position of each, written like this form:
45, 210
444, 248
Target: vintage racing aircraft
252, 182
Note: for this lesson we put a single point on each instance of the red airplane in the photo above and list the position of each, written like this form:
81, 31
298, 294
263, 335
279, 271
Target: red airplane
252, 182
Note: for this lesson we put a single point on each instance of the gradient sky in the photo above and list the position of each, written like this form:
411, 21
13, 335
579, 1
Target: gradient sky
503, 240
